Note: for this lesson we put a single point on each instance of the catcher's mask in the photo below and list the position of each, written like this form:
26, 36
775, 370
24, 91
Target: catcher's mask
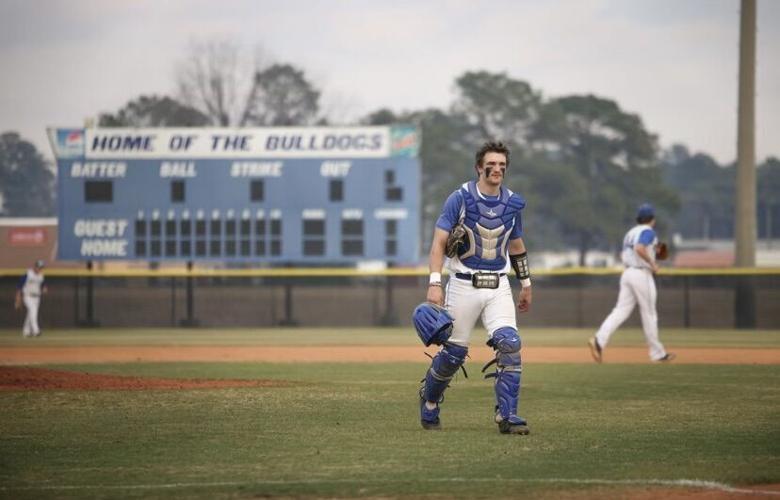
433, 323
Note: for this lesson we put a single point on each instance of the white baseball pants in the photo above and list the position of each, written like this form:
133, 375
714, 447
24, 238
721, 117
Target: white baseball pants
31, 321
465, 304
637, 286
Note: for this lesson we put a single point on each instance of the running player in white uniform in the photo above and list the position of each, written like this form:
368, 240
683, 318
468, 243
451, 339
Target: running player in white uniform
29, 291
478, 287
637, 286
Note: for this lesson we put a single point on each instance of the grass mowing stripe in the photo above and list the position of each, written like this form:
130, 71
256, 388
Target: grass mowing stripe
352, 430
571, 337
686, 483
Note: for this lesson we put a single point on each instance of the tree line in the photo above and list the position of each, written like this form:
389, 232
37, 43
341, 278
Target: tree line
582, 162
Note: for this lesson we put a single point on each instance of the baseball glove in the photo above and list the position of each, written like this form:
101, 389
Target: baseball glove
661, 251
455, 241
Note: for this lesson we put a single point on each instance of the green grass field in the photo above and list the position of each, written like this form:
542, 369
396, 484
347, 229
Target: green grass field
352, 430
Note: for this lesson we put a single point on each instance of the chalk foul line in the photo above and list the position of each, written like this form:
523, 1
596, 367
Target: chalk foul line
677, 483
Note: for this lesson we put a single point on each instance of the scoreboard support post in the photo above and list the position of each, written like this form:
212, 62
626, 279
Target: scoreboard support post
190, 320
289, 319
89, 321
173, 301
389, 318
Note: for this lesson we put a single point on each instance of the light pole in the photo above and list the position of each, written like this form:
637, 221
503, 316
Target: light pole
745, 204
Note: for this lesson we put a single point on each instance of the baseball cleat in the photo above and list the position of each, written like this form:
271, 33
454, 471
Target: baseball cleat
513, 425
595, 349
429, 419
669, 356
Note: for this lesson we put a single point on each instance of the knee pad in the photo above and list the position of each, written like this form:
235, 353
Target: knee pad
443, 368
450, 358
507, 343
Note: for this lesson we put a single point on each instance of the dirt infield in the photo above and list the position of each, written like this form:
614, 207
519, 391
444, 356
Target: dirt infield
30, 378
356, 353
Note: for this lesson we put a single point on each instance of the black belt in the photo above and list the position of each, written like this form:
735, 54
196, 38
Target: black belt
468, 276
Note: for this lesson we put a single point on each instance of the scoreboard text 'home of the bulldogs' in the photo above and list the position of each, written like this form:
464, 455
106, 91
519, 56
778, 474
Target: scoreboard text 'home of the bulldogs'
317, 195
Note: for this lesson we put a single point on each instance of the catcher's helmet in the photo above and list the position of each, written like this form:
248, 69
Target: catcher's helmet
433, 323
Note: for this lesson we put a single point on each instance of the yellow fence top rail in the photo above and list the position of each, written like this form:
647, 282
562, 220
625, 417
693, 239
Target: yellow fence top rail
342, 272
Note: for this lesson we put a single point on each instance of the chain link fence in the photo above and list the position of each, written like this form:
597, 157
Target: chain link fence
575, 299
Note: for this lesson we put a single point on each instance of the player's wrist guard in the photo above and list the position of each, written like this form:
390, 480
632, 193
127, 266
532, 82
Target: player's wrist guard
522, 271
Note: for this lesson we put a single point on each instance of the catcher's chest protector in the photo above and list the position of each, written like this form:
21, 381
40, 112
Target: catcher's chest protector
488, 224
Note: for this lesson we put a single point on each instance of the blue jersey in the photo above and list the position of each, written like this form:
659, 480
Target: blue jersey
490, 223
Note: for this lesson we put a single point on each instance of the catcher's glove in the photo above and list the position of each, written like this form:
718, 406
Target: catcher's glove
455, 241
661, 251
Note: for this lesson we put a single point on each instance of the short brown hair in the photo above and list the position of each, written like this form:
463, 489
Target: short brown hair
492, 147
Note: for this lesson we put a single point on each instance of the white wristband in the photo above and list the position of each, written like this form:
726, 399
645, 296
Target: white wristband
435, 278
526, 282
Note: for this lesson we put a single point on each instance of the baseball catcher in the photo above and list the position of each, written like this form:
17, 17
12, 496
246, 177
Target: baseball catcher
480, 232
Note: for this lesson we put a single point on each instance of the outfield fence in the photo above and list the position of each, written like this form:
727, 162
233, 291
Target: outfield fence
695, 298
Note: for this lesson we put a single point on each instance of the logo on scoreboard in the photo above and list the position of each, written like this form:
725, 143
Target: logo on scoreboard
68, 142
404, 141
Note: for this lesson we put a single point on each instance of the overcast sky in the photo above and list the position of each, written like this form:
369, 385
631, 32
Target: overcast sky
673, 62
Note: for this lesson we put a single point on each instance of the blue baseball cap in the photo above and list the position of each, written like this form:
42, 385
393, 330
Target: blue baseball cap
645, 210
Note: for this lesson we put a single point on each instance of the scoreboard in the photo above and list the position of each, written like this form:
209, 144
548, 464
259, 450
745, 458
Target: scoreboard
316, 195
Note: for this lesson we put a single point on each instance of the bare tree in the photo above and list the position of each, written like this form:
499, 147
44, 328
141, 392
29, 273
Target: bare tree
235, 90
217, 79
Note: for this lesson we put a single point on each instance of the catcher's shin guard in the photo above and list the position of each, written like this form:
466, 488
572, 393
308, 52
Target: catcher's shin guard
507, 393
444, 366
508, 372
